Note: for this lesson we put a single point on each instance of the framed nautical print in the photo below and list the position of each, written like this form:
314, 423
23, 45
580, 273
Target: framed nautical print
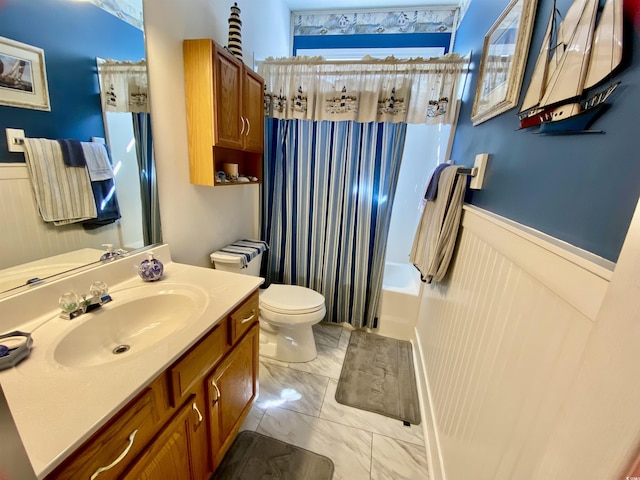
504, 57
23, 76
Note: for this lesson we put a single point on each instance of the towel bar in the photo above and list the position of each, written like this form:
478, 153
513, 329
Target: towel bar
468, 171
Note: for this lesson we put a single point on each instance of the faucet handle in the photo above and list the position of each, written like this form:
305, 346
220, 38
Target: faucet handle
69, 302
98, 289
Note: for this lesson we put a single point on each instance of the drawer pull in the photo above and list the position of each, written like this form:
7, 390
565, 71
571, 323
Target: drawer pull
117, 460
248, 319
213, 384
195, 409
242, 131
248, 127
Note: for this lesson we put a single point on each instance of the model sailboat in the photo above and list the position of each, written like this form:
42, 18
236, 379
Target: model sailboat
574, 57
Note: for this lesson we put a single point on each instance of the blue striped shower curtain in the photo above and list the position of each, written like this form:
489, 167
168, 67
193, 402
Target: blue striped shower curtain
327, 195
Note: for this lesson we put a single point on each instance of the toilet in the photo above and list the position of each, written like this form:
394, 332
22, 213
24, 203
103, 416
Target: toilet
287, 312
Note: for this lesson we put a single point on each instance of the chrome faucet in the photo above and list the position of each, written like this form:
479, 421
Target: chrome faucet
73, 305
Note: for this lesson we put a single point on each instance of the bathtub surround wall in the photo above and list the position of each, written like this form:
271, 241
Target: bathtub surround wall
198, 220
425, 146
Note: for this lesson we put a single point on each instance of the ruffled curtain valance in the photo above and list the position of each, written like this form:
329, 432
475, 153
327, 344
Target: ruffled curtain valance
125, 87
385, 90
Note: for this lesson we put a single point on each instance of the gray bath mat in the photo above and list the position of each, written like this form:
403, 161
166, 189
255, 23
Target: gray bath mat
378, 375
253, 456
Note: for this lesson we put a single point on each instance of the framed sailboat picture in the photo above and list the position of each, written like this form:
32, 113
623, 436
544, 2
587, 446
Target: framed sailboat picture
23, 76
504, 58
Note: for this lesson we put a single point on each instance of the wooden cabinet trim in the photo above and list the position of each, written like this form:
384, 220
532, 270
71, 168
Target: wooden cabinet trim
106, 445
195, 364
243, 318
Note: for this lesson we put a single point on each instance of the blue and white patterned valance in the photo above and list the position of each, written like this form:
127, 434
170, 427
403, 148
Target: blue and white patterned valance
371, 90
409, 20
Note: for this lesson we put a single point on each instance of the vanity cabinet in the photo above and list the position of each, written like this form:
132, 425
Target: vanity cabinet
230, 392
225, 119
184, 421
179, 450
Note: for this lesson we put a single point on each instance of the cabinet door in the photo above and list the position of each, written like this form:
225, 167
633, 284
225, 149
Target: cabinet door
253, 107
227, 86
177, 451
231, 389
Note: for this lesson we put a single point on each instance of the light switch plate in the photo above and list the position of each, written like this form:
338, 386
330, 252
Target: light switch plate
15, 139
481, 164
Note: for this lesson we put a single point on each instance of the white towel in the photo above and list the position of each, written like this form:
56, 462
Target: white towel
435, 238
63, 194
98, 162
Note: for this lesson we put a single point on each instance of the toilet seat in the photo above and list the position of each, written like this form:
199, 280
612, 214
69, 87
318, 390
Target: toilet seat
291, 300
291, 305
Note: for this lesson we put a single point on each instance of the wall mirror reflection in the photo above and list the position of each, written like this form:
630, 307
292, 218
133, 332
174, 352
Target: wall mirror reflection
96, 74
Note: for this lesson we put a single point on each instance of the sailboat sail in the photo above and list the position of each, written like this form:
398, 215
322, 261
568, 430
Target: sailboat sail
606, 52
568, 80
540, 72
583, 56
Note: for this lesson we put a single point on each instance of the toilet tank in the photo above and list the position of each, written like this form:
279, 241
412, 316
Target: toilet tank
228, 263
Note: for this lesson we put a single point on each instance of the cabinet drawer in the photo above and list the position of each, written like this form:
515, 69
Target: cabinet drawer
243, 318
192, 368
109, 451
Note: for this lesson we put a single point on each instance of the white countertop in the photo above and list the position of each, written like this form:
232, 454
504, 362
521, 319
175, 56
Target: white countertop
57, 408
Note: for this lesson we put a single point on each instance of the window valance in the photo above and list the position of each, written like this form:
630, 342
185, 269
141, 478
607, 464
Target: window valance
381, 90
125, 87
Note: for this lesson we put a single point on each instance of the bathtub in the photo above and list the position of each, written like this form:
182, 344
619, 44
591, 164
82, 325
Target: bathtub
399, 300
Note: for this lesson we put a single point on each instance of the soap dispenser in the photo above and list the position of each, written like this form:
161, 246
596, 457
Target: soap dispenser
150, 269
110, 254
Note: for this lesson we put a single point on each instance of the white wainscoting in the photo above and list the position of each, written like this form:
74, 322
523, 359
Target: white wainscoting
498, 345
25, 237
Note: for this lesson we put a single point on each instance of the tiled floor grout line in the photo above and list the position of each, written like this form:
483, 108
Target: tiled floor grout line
323, 397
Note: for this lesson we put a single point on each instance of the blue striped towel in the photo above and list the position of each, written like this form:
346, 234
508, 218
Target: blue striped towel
245, 249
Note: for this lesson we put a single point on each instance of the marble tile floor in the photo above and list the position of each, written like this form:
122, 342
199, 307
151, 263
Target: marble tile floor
296, 404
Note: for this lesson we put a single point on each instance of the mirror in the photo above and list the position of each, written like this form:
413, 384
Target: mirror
72, 35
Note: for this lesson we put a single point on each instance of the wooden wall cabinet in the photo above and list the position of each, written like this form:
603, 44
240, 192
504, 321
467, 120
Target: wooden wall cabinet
182, 424
225, 118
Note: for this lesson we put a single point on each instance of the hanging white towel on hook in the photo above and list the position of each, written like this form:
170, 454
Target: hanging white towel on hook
63, 193
437, 231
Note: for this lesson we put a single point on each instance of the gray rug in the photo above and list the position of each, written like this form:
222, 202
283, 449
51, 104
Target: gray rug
378, 375
253, 456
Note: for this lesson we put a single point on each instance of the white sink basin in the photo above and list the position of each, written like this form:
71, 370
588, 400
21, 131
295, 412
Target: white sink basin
135, 320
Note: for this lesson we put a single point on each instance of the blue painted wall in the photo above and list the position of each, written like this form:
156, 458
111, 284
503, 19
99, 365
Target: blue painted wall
72, 34
581, 189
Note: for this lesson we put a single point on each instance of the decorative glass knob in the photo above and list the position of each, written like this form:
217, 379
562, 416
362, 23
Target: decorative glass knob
69, 302
98, 289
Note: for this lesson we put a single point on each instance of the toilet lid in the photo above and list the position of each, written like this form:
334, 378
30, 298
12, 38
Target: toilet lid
291, 299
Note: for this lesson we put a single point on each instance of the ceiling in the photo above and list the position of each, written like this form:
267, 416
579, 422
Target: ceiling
297, 5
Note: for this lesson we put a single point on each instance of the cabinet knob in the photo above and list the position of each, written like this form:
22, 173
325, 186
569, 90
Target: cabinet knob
117, 460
